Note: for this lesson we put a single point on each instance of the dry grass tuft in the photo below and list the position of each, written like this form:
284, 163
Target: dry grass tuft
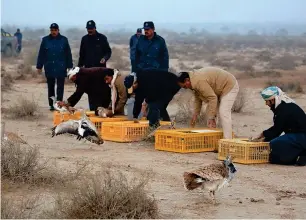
240, 101
185, 109
108, 195
21, 164
21, 209
7, 82
24, 108
118, 60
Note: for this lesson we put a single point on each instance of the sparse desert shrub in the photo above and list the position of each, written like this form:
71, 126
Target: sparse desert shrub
264, 56
19, 163
21, 209
185, 109
294, 87
24, 108
118, 61
240, 101
268, 73
286, 62
6, 82
243, 65
108, 195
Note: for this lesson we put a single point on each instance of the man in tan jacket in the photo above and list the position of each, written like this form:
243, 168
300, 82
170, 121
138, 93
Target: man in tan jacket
119, 94
216, 87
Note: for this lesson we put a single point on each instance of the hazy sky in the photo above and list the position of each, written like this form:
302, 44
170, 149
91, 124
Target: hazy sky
77, 12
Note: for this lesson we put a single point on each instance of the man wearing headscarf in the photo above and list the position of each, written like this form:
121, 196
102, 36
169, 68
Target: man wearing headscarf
290, 148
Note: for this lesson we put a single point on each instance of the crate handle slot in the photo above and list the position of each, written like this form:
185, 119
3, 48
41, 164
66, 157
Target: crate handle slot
169, 139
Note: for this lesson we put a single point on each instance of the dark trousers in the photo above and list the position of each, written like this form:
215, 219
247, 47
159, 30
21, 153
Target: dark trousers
156, 111
287, 148
60, 82
164, 113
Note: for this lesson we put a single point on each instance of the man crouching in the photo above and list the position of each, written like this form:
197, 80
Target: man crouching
290, 148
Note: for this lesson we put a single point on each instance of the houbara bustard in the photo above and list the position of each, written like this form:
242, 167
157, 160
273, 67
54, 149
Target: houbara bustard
82, 128
211, 178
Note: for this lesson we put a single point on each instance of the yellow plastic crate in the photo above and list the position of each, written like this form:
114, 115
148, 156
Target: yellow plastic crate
61, 117
188, 140
99, 121
58, 117
126, 131
243, 151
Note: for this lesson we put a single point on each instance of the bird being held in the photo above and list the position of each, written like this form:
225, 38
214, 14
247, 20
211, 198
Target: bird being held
102, 112
82, 128
212, 177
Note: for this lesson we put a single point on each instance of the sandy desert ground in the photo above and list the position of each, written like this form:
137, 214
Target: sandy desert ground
257, 191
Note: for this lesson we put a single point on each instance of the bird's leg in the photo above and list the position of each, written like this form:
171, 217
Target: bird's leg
212, 195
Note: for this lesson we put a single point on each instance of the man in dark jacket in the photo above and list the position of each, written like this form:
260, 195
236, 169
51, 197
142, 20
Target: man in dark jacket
133, 44
157, 88
94, 50
151, 50
55, 56
18, 35
92, 82
289, 118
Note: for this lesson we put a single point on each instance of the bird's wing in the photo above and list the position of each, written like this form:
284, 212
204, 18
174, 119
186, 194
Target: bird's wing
70, 127
211, 172
87, 123
190, 182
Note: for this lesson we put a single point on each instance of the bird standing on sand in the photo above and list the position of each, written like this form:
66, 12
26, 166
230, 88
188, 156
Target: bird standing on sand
212, 177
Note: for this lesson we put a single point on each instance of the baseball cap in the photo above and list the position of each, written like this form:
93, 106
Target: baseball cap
90, 24
54, 26
139, 30
129, 81
148, 25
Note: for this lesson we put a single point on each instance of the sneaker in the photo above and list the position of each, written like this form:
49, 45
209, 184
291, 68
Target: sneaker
52, 108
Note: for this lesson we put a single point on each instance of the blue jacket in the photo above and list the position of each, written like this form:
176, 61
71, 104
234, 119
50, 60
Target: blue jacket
55, 56
133, 43
18, 35
152, 54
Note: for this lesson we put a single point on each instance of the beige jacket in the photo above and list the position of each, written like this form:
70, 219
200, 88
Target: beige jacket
209, 85
121, 94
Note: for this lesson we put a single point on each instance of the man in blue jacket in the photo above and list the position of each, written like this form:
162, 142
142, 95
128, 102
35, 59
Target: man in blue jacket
18, 35
133, 44
55, 56
151, 50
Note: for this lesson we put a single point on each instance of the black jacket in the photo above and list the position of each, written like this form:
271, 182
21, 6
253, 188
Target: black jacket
154, 85
93, 48
94, 85
288, 118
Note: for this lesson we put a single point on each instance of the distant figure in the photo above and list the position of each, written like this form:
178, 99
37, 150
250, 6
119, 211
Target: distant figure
18, 35
133, 44
94, 50
55, 56
151, 50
